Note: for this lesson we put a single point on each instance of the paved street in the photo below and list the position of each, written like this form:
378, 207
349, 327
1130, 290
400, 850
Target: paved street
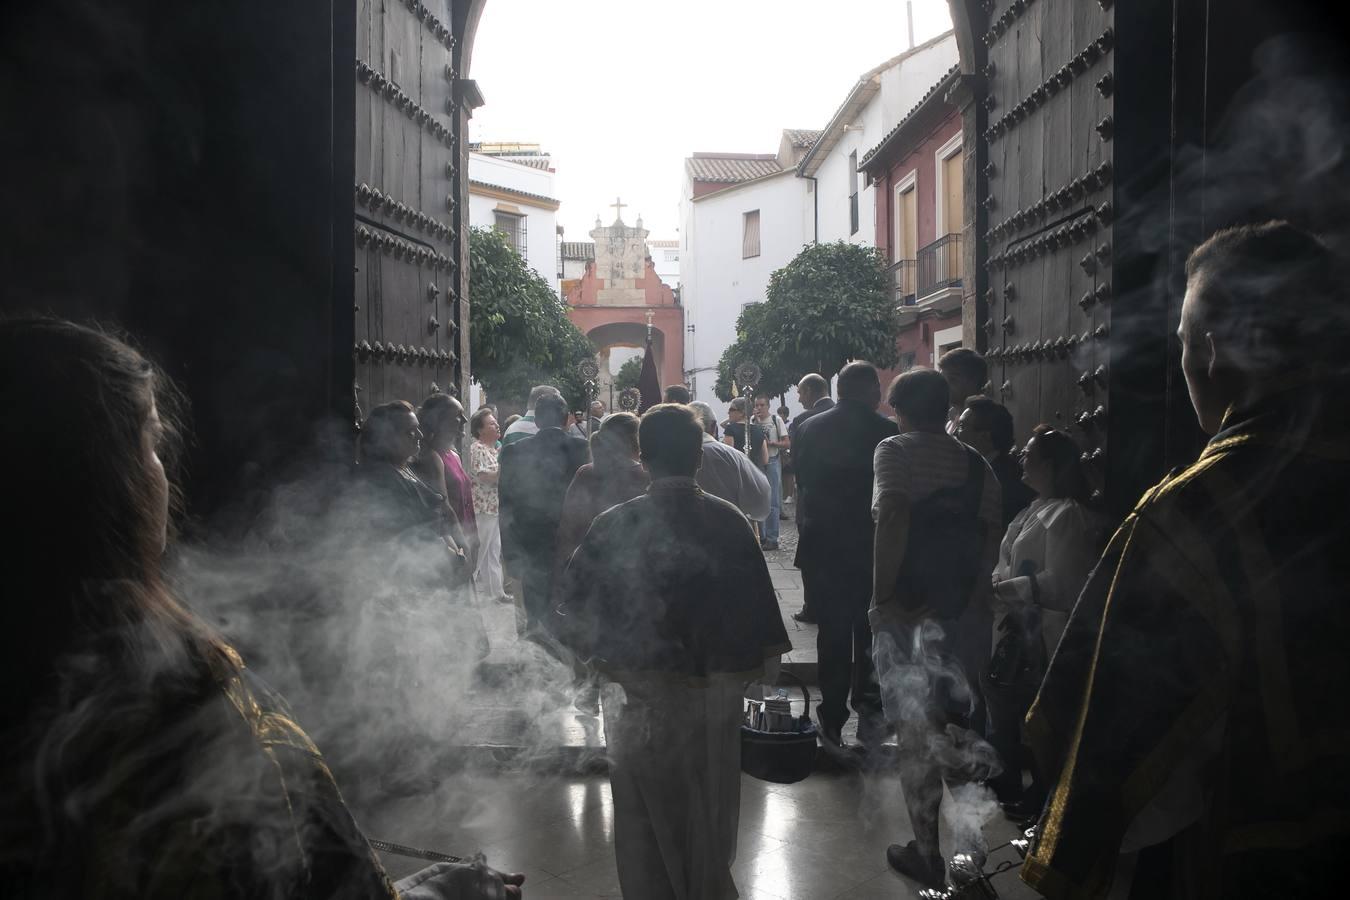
819, 839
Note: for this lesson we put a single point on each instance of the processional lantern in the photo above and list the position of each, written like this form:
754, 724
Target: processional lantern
748, 374
589, 371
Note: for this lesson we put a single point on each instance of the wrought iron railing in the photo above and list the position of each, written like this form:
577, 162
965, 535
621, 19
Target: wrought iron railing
939, 265
901, 275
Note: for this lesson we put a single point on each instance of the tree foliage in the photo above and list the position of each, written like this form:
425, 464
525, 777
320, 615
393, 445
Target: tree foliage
757, 341
829, 305
628, 375
519, 333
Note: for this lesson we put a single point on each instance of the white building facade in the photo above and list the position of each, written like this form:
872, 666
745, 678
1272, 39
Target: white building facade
846, 203
665, 253
514, 194
744, 216
809, 191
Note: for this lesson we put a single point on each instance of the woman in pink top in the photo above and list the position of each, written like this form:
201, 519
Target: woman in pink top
442, 420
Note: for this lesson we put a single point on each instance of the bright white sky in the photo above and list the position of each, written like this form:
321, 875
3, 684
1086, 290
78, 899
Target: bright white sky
621, 91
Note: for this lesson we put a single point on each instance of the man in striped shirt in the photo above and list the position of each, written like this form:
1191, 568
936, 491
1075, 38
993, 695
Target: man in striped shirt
525, 426
938, 516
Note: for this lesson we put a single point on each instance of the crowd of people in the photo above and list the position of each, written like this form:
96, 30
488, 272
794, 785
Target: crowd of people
1162, 710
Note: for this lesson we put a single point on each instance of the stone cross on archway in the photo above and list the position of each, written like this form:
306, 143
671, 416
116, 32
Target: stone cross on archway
618, 209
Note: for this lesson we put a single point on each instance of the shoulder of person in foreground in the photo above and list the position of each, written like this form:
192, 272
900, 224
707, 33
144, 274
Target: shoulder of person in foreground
724, 511
615, 525
337, 855
1186, 509
578, 445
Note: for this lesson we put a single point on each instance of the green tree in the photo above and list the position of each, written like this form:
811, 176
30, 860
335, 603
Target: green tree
757, 341
834, 305
519, 333
628, 374
828, 306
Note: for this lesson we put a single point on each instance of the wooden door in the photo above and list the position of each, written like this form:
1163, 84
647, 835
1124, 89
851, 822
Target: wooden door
1047, 157
407, 183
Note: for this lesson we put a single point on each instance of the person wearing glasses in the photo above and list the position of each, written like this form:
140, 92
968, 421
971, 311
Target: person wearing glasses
1043, 563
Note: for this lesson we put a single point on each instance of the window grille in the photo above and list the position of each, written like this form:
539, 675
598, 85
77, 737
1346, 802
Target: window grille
514, 227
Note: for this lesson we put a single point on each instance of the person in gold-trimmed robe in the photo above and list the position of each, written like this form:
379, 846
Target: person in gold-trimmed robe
1192, 718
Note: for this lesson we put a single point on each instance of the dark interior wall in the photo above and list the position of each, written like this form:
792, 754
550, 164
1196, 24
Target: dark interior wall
1255, 128
1143, 378
171, 172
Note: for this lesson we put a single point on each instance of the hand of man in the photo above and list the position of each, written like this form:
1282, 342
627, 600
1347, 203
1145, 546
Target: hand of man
460, 881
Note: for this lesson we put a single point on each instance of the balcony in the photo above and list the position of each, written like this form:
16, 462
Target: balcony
901, 275
939, 266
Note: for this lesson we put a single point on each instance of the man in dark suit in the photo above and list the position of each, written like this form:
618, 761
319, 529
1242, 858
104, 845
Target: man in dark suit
535, 473
833, 452
813, 393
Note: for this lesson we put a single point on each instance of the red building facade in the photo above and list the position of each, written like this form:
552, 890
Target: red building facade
917, 172
620, 300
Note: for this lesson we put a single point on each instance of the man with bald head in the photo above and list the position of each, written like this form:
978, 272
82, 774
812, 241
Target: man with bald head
525, 426
833, 451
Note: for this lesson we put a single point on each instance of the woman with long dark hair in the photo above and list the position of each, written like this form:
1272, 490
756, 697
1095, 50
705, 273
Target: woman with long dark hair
138, 756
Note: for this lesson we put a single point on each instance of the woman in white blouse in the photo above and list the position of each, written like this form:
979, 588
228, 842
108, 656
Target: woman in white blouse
1052, 545
483, 472
1047, 553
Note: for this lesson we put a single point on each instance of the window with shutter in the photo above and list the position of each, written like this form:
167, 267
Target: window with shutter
750, 235
853, 192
